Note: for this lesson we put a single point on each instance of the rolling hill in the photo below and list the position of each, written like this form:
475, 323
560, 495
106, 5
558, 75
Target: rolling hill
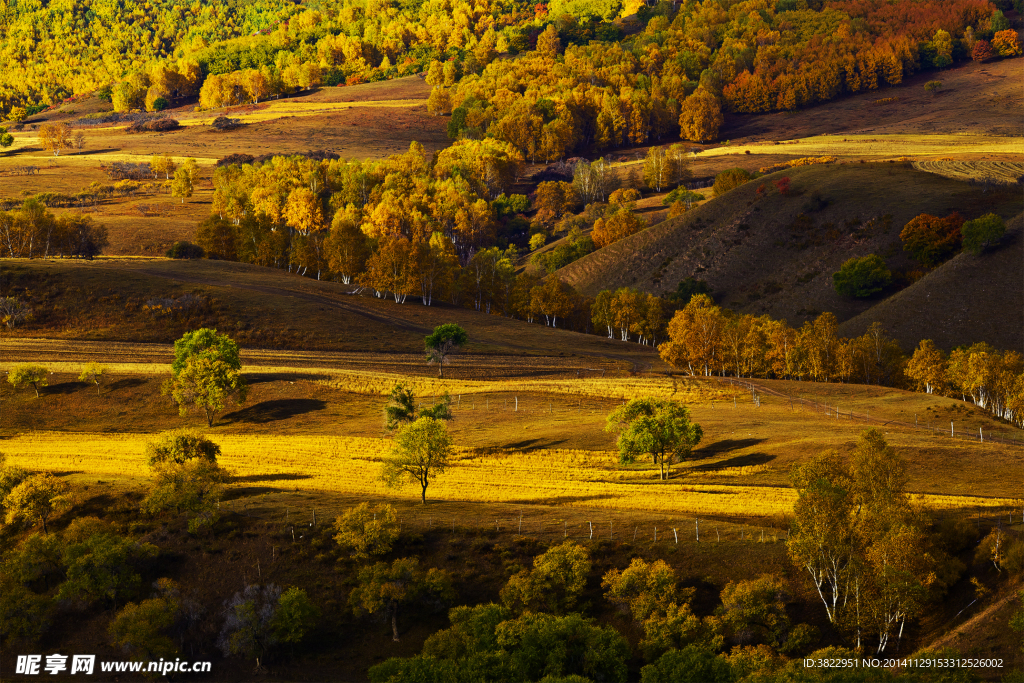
769, 253
965, 300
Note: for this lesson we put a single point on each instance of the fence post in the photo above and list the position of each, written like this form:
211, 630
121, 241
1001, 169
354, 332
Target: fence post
676, 535
951, 429
591, 529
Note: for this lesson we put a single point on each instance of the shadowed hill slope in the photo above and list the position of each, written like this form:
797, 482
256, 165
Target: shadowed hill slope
265, 308
775, 254
967, 299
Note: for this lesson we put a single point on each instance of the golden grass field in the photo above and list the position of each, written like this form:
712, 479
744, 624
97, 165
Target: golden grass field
526, 442
1007, 172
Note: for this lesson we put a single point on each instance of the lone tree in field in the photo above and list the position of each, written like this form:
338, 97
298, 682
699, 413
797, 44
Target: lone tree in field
444, 341
180, 446
6, 139
656, 427
55, 137
401, 407
36, 375
422, 451
93, 372
186, 477
207, 372
39, 497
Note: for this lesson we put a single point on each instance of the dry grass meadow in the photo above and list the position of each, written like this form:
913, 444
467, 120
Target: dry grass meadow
521, 441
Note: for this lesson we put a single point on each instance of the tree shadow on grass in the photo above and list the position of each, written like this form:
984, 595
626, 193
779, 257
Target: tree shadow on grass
747, 460
127, 383
65, 387
278, 409
532, 444
724, 446
271, 477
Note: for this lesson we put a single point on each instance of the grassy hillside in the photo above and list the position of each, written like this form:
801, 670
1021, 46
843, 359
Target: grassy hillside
967, 299
104, 299
776, 254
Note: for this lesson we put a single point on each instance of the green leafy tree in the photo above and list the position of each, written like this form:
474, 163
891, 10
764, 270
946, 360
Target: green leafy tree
35, 375
367, 530
6, 139
659, 428
754, 611
206, 373
193, 488
24, 615
545, 644
205, 342
692, 664
982, 233
384, 588
400, 408
207, 383
650, 592
180, 446
296, 616
730, 180
37, 499
444, 341
139, 629
10, 477
93, 372
555, 583
862, 277
105, 567
422, 451
483, 643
